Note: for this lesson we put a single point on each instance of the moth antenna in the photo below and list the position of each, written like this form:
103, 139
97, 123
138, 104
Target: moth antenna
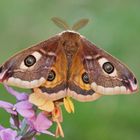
80, 24
61, 23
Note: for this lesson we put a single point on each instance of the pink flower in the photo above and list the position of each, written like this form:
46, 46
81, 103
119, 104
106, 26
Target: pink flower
27, 126
41, 124
8, 134
23, 107
19, 96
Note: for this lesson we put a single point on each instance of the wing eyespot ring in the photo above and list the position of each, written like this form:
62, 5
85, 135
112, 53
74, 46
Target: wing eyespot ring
108, 67
85, 78
51, 76
29, 61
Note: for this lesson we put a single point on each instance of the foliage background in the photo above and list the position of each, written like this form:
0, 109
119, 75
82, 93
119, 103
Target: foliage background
114, 25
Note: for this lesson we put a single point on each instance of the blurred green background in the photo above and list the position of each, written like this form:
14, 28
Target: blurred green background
114, 25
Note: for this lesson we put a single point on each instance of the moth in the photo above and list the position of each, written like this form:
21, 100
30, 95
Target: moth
68, 64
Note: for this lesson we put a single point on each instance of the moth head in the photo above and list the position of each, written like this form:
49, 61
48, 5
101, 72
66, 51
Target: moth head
109, 76
28, 69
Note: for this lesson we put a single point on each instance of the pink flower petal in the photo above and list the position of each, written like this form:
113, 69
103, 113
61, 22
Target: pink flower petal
23, 105
8, 134
8, 107
19, 96
4, 105
11, 111
42, 123
26, 113
1, 127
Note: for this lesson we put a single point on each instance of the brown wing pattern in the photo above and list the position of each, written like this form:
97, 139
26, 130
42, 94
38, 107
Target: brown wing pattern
56, 89
77, 88
108, 76
68, 65
49, 57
